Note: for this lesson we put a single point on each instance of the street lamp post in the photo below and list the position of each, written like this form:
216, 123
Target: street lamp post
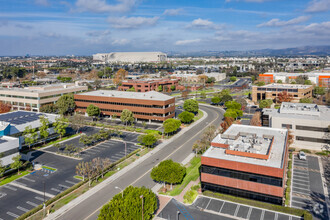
122, 191
125, 149
44, 205
142, 206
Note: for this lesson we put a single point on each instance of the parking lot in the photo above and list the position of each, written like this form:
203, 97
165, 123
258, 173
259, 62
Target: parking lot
28, 192
211, 208
307, 187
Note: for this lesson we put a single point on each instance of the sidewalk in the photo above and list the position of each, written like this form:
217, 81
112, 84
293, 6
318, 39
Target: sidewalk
180, 197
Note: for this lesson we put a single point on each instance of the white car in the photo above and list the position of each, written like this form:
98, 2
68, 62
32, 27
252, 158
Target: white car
302, 155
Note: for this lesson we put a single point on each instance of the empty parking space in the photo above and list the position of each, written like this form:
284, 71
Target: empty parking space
239, 210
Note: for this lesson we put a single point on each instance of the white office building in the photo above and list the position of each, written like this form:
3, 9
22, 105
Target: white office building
130, 57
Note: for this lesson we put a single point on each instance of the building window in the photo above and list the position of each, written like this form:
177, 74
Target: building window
309, 128
288, 126
252, 177
316, 140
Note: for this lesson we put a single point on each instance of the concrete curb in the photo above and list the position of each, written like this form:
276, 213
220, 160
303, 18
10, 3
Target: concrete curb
92, 191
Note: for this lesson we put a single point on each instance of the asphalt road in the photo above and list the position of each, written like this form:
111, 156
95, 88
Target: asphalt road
177, 150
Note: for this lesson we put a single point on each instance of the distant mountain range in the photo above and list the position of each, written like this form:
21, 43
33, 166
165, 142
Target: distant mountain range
297, 51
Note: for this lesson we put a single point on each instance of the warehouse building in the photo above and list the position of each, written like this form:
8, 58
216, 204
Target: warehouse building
271, 91
130, 57
33, 97
309, 123
248, 162
147, 106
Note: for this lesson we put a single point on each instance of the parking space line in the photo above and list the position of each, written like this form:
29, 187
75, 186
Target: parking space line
64, 186
300, 172
208, 204
9, 187
93, 150
295, 201
32, 203
237, 208
276, 216
32, 190
262, 214
295, 191
56, 190
22, 209
12, 214
249, 213
301, 178
222, 206
307, 186
68, 181
39, 198
302, 181
30, 180
19, 183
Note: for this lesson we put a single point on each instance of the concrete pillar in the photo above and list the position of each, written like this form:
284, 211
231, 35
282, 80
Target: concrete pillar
149, 121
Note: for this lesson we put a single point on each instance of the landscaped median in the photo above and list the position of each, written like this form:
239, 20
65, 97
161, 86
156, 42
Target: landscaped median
292, 211
68, 195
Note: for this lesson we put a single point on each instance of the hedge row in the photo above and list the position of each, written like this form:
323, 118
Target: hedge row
288, 210
71, 189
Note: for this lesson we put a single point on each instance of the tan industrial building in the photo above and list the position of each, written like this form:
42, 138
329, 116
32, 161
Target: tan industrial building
271, 91
33, 97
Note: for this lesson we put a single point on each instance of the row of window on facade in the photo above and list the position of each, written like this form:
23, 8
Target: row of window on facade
120, 103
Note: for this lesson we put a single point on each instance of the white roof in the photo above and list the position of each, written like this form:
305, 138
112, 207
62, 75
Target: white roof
151, 95
237, 137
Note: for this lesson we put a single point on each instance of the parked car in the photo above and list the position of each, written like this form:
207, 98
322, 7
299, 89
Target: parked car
302, 155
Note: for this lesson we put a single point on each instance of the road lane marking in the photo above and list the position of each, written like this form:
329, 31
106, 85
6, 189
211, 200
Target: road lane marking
68, 181
30, 180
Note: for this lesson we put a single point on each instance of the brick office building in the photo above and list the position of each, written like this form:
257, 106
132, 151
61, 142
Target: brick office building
248, 162
148, 85
271, 91
149, 106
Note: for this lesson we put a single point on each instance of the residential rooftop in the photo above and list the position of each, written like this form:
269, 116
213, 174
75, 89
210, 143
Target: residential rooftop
250, 144
151, 95
286, 86
300, 110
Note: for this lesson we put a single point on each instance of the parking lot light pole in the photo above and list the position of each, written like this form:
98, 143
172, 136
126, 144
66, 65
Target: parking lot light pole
44, 205
122, 191
177, 215
125, 149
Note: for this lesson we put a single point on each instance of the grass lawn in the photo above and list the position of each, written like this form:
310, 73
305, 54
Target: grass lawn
13, 177
49, 168
78, 177
190, 196
198, 116
191, 175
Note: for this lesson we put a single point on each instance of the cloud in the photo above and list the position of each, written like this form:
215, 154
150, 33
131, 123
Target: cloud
184, 42
278, 23
257, 1
316, 28
172, 12
98, 33
203, 24
120, 42
101, 6
132, 22
42, 2
318, 6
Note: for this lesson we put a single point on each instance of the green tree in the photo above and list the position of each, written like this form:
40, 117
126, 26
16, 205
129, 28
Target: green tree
307, 82
173, 87
306, 100
231, 113
261, 83
93, 110
17, 164
265, 103
186, 117
30, 135
226, 98
279, 81
203, 94
132, 89
147, 140
65, 104
127, 116
43, 129
215, 100
319, 90
60, 126
233, 105
190, 105
253, 78
233, 78
171, 125
160, 88
48, 108
210, 80
168, 172
128, 205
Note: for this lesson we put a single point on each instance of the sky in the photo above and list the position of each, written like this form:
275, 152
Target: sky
85, 27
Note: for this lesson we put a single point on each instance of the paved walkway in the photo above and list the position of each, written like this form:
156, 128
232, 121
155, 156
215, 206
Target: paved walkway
180, 197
